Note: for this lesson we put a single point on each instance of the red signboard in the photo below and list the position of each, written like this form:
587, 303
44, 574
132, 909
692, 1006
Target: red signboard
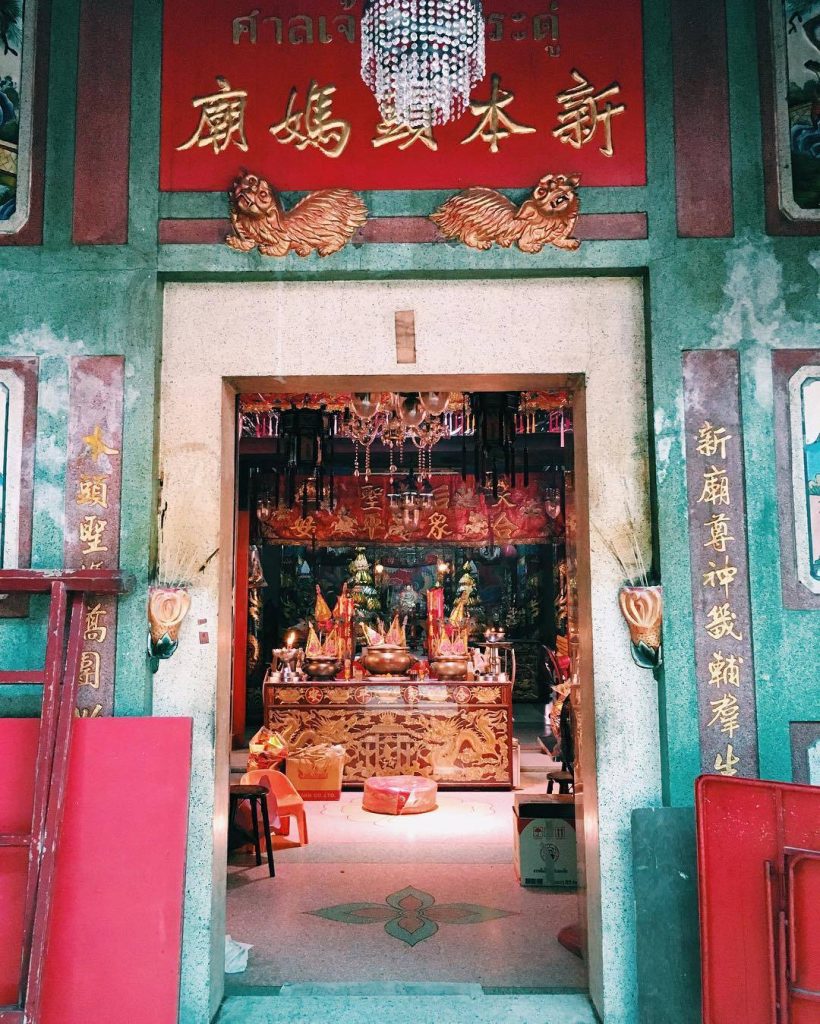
458, 515
276, 88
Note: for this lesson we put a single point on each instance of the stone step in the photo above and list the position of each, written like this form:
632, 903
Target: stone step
400, 1004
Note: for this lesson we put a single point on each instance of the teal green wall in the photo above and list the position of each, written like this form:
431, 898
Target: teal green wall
751, 292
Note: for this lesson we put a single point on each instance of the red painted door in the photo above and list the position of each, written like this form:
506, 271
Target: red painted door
759, 894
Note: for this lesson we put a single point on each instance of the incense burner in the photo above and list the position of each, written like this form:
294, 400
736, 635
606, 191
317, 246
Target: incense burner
387, 660
322, 668
453, 667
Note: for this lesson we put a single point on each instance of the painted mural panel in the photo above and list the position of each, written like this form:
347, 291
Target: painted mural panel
796, 25
18, 425
795, 376
16, 65
277, 86
804, 407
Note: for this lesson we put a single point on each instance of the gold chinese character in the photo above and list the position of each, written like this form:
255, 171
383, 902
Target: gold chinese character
388, 131
96, 444
221, 119
95, 712
724, 671
371, 497
92, 490
313, 126
94, 628
303, 528
437, 526
722, 622
712, 440
91, 531
583, 113
372, 523
718, 532
720, 575
90, 669
495, 125
503, 527
726, 714
92, 565
715, 487
726, 766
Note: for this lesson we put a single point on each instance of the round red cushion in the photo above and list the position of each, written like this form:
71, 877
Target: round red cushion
399, 794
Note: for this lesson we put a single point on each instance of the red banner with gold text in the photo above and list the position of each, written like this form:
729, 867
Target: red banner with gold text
275, 87
459, 515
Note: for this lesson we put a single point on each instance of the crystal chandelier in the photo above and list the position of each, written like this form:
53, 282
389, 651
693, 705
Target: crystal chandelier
420, 58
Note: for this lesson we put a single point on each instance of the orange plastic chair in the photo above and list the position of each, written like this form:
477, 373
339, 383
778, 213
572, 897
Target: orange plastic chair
288, 802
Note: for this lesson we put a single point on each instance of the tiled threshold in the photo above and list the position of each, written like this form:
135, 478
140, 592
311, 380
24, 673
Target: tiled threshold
398, 1004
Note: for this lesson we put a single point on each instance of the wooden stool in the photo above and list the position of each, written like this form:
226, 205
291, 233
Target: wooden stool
254, 795
559, 781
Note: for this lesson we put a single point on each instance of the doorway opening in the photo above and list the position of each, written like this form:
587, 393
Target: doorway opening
221, 340
406, 646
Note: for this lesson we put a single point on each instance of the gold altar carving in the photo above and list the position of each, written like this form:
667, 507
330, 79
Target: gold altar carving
393, 732
335, 693
325, 220
480, 216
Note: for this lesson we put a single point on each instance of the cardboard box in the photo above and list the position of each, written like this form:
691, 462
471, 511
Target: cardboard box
316, 772
545, 841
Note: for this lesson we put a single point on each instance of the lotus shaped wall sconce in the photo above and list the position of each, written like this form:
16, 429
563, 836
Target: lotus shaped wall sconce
167, 607
642, 608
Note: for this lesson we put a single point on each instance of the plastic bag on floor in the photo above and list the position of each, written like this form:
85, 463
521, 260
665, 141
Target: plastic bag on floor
236, 955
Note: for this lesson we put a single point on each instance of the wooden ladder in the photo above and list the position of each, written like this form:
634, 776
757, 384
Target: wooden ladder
59, 679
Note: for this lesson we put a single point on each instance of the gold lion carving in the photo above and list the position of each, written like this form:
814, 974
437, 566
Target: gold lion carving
480, 216
324, 220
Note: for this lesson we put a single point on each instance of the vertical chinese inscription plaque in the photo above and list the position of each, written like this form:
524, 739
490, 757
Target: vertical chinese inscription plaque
719, 561
92, 521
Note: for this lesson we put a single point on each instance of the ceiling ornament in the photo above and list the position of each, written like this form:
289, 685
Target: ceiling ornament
493, 427
420, 58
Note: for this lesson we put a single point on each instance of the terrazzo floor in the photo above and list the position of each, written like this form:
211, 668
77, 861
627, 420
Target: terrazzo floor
423, 899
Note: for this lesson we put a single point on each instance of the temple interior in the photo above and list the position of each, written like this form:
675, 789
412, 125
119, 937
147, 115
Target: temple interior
403, 676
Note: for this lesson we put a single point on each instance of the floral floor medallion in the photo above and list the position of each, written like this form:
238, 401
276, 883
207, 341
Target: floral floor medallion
410, 914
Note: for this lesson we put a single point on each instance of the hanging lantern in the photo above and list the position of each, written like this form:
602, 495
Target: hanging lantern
435, 402
421, 58
365, 404
411, 412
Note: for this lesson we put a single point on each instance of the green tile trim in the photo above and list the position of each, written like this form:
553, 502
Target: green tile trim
184, 205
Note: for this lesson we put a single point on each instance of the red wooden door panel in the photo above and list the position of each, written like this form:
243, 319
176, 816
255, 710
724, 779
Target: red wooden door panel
759, 894
116, 923
803, 892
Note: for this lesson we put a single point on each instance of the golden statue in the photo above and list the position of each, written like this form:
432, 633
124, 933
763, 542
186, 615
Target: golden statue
480, 216
324, 220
